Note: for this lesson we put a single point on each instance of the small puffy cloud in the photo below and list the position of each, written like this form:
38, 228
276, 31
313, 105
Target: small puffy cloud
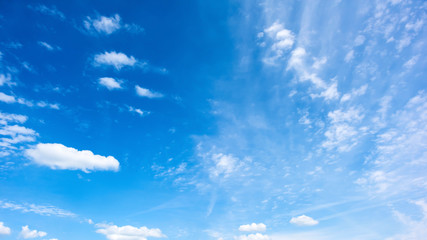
109, 83
256, 236
282, 40
108, 25
48, 46
359, 40
254, 227
144, 92
58, 156
115, 59
304, 220
28, 233
7, 98
113, 232
4, 230
5, 79
224, 165
51, 11
411, 62
102, 24
138, 111
349, 56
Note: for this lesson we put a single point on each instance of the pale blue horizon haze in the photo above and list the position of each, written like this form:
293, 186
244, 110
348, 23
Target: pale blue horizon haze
222, 120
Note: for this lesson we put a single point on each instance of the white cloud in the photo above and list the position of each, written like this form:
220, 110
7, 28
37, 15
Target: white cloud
118, 60
349, 56
144, 92
110, 83
414, 229
4, 230
359, 40
37, 209
7, 117
7, 98
138, 111
108, 25
400, 159
343, 133
254, 227
282, 40
102, 24
329, 93
113, 232
5, 79
256, 236
411, 62
48, 46
52, 11
354, 93
223, 165
303, 220
27, 233
58, 156
11, 99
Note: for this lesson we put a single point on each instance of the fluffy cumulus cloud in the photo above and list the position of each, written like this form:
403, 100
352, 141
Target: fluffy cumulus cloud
256, 236
113, 232
254, 227
26, 233
102, 24
303, 220
281, 39
58, 156
116, 59
4, 230
144, 92
108, 25
110, 83
224, 165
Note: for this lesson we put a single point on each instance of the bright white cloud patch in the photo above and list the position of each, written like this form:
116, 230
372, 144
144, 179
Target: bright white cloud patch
254, 227
26, 233
223, 165
117, 60
113, 232
256, 236
110, 83
5, 79
303, 220
102, 24
144, 92
4, 230
7, 98
138, 111
58, 156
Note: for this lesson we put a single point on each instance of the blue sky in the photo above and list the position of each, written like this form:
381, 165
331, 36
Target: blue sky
223, 120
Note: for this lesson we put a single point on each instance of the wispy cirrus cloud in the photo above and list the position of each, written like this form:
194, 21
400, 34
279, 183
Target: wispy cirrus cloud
37, 209
51, 11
